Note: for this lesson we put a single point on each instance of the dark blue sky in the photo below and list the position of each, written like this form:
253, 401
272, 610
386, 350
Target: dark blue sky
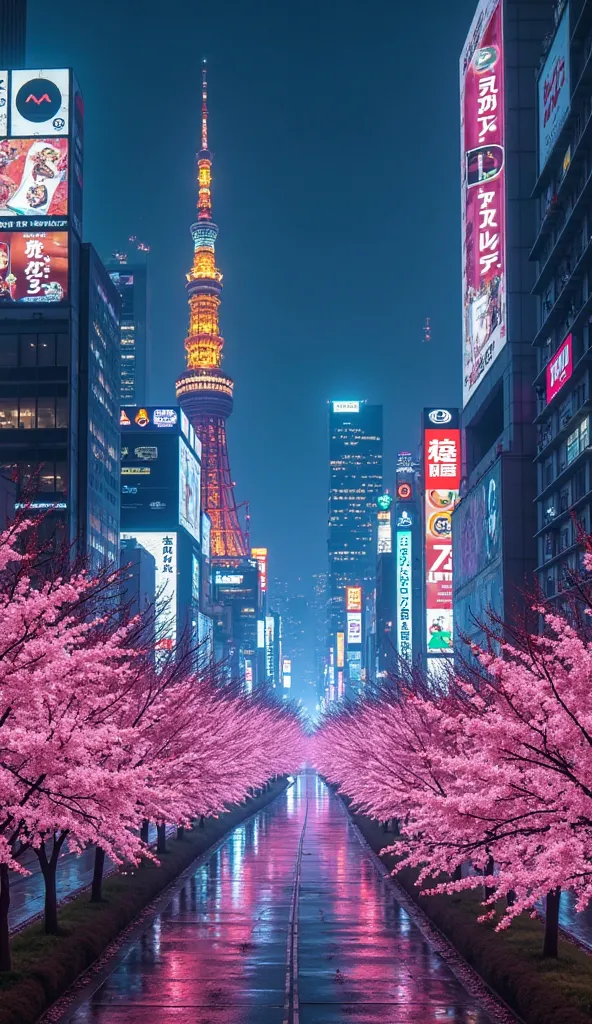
334, 125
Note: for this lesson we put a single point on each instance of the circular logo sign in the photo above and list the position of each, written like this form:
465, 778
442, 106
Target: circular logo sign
440, 524
404, 491
439, 416
484, 59
38, 100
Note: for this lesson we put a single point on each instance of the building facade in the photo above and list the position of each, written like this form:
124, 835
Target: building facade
499, 171
562, 255
160, 510
130, 277
58, 342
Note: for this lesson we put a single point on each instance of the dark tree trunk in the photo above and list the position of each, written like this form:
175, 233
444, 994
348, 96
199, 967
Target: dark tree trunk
202, 821
49, 868
385, 826
551, 942
96, 892
144, 830
5, 954
161, 838
488, 870
511, 898
396, 830
180, 832
457, 873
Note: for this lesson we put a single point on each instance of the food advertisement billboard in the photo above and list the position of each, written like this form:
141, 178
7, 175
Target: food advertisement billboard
189, 490
477, 528
33, 266
483, 205
34, 181
442, 470
554, 91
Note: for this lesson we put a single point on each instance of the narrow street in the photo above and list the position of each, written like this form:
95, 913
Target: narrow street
287, 921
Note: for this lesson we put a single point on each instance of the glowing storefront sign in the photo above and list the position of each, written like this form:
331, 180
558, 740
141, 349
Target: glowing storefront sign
163, 548
385, 543
554, 91
340, 650
404, 596
354, 628
560, 368
260, 634
483, 195
353, 599
346, 406
228, 579
442, 471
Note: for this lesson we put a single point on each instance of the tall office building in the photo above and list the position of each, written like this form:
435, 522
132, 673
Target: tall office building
130, 277
562, 251
499, 170
355, 483
58, 314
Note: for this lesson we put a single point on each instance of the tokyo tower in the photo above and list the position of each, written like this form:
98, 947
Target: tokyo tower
204, 391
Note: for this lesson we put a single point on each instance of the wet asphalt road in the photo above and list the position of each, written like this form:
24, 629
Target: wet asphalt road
287, 921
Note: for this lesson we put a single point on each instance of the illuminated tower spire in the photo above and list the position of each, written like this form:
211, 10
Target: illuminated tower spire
203, 390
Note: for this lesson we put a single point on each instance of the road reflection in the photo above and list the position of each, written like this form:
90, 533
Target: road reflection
217, 953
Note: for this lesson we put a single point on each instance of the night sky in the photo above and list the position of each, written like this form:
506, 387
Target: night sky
334, 127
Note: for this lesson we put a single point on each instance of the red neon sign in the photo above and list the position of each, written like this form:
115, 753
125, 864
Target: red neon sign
560, 369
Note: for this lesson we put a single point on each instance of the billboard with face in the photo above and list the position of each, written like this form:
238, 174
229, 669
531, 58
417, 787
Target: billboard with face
483, 207
33, 266
34, 179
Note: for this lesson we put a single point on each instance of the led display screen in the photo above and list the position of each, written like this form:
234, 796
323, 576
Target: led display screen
404, 596
353, 599
354, 628
483, 207
149, 480
33, 266
189, 490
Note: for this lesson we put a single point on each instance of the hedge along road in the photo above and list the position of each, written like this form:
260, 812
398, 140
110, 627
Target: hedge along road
289, 921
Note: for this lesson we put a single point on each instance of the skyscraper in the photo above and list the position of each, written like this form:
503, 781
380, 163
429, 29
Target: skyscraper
355, 483
204, 391
130, 277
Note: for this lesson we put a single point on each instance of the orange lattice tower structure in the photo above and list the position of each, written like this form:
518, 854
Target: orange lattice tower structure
204, 391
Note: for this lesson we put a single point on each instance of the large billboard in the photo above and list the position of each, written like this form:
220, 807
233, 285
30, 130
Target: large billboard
189, 490
33, 266
40, 102
554, 91
149, 481
477, 527
163, 548
33, 181
404, 596
483, 208
442, 469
